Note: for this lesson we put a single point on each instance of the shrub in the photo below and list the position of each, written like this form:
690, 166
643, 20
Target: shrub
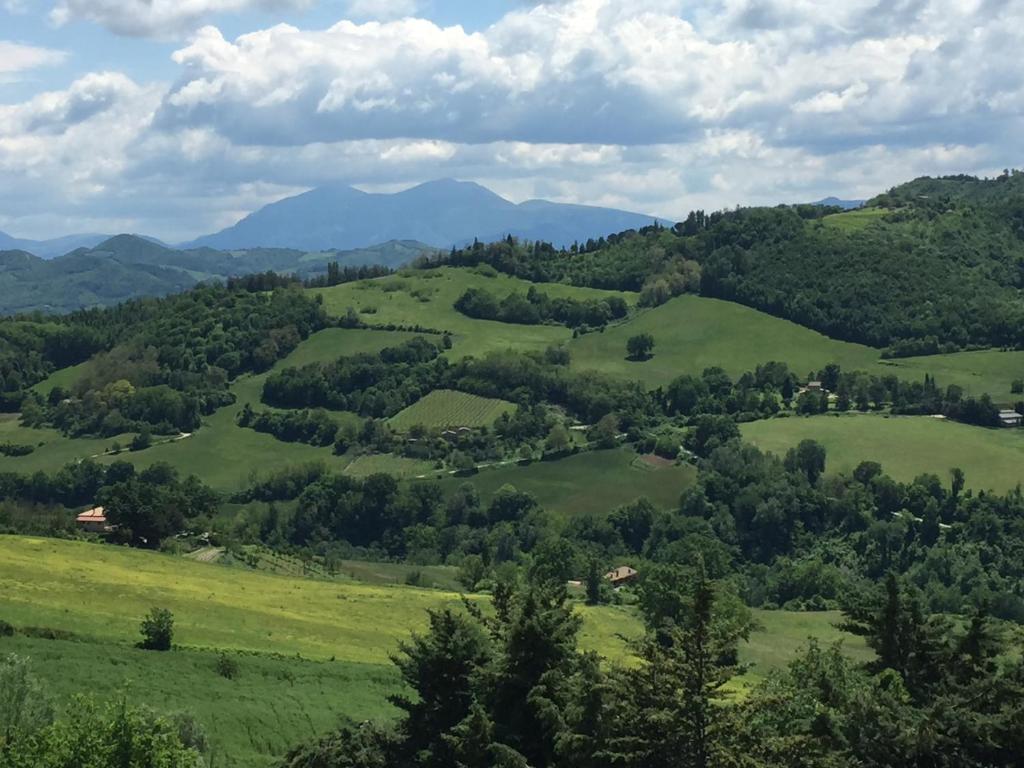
226, 667
6, 630
157, 630
142, 441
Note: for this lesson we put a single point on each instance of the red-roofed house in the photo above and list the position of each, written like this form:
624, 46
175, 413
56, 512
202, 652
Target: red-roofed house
93, 521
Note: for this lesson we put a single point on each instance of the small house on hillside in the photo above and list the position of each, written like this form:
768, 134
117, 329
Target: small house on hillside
93, 521
621, 576
814, 386
1010, 419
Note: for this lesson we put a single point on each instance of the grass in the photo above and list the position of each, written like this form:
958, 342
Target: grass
427, 298
310, 651
990, 370
53, 450
64, 378
693, 333
274, 703
447, 408
592, 483
400, 466
906, 446
855, 221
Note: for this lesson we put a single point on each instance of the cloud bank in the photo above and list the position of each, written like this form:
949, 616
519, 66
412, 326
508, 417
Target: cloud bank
648, 105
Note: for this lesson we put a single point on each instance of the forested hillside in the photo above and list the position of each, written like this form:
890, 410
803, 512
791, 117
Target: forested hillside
129, 267
933, 265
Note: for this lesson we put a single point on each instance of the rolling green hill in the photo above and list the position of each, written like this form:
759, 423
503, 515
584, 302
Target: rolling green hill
427, 298
693, 333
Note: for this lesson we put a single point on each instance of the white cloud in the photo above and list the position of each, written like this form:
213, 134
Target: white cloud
17, 57
649, 105
157, 18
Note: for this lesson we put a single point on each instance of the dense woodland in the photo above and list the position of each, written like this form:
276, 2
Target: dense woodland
156, 364
537, 307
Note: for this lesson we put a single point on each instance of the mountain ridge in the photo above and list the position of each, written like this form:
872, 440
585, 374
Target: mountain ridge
442, 213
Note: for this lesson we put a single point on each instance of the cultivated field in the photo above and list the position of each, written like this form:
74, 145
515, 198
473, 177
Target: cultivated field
693, 333
448, 408
309, 651
592, 483
906, 446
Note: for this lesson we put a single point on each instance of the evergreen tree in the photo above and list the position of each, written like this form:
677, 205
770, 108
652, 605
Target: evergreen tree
442, 667
668, 712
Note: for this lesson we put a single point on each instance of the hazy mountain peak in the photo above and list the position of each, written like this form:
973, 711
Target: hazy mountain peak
441, 213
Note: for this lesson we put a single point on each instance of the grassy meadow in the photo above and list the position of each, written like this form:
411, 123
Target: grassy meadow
906, 446
448, 408
592, 483
274, 704
309, 651
989, 371
855, 221
427, 298
693, 333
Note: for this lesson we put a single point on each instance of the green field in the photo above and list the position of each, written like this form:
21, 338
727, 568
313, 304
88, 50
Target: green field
986, 371
592, 483
447, 408
854, 221
427, 298
310, 651
693, 333
906, 446
53, 450
274, 704
400, 466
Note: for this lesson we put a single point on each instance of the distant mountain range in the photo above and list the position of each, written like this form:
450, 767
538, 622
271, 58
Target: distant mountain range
442, 213
49, 249
128, 266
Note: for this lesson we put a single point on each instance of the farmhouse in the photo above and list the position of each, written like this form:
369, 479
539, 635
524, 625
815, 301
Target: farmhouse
814, 386
93, 521
1010, 419
621, 576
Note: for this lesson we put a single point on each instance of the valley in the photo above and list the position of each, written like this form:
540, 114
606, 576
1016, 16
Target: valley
580, 446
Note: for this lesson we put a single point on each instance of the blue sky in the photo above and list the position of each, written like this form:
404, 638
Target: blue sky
177, 118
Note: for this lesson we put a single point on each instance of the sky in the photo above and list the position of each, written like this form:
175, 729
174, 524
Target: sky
176, 118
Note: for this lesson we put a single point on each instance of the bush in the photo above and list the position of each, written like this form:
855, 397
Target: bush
226, 667
157, 630
6, 630
142, 441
